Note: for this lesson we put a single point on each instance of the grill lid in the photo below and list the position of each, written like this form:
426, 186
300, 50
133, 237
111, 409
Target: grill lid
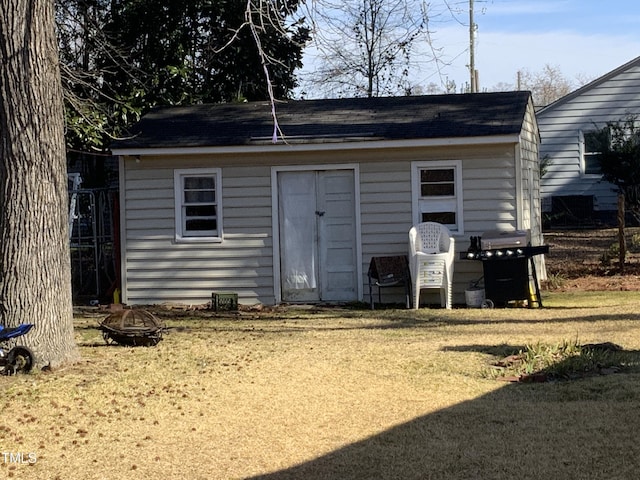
501, 239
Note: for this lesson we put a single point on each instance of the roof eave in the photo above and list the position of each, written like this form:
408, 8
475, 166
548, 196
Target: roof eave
284, 147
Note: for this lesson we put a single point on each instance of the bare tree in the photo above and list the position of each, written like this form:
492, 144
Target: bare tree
35, 278
546, 86
365, 46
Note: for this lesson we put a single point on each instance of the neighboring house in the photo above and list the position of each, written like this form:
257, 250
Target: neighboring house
210, 204
572, 191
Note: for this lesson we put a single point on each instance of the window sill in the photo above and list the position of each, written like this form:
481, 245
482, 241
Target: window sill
198, 239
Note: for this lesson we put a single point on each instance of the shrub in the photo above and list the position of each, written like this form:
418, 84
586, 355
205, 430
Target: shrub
563, 361
554, 281
612, 254
634, 243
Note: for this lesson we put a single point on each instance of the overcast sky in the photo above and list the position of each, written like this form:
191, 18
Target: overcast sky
583, 38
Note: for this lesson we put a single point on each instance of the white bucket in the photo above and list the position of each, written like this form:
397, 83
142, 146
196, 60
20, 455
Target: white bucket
474, 297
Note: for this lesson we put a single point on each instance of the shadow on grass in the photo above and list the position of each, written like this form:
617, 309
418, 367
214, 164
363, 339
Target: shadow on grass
406, 320
582, 429
501, 350
389, 320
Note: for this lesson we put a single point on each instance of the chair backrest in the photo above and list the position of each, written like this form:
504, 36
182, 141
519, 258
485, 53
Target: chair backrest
431, 237
389, 269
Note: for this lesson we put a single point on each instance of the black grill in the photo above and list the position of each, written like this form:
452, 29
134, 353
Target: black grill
507, 269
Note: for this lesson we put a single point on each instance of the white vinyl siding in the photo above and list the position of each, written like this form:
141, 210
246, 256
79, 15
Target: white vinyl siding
160, 269
530, 214
385, 208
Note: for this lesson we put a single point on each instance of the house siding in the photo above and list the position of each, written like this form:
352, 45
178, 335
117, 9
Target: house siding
531, 208
529, 157
608, 99
159, 269
490, 203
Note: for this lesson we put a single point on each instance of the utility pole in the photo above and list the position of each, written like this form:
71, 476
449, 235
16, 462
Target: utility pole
472, 60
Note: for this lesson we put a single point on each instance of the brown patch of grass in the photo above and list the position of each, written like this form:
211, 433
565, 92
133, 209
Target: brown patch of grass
331, 393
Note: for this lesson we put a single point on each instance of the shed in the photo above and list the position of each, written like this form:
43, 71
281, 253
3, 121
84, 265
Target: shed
222, 198
572, 191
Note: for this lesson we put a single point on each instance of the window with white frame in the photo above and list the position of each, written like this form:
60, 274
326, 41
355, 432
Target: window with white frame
198, 206
590, 146
437, 193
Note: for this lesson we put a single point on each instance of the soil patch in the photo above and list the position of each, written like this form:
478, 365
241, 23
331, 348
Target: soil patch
588, 260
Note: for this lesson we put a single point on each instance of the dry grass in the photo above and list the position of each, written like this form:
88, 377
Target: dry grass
332, 393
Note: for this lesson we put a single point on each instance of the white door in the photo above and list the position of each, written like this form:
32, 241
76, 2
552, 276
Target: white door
316, 211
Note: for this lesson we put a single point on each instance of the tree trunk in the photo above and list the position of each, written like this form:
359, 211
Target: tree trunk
35, 274
622, 243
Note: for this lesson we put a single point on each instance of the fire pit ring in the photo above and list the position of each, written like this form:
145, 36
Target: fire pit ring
132, 327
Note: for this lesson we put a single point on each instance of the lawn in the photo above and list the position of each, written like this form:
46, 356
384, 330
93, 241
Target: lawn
334, 394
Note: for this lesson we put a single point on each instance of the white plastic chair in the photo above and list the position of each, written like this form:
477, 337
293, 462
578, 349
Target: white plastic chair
431, 257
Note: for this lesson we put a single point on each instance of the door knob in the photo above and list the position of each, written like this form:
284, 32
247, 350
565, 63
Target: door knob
320, 214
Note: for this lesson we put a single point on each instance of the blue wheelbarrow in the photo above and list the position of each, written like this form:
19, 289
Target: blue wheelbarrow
19, 359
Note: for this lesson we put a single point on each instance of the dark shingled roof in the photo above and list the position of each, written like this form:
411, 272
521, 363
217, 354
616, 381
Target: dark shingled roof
333, 120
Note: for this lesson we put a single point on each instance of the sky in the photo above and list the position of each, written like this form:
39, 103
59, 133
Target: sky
584, 39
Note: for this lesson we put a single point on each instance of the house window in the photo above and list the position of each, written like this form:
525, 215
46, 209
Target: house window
437, 193
198, 204
590, 142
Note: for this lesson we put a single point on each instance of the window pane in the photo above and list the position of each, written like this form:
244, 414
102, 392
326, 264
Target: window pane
446, 218
197, 224
436, 175
431, 190
200, 197
201, 211
592, 142
199, 183
439, 182
592, 163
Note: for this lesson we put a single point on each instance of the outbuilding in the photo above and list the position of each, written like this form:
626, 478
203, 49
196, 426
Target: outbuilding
289, 202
